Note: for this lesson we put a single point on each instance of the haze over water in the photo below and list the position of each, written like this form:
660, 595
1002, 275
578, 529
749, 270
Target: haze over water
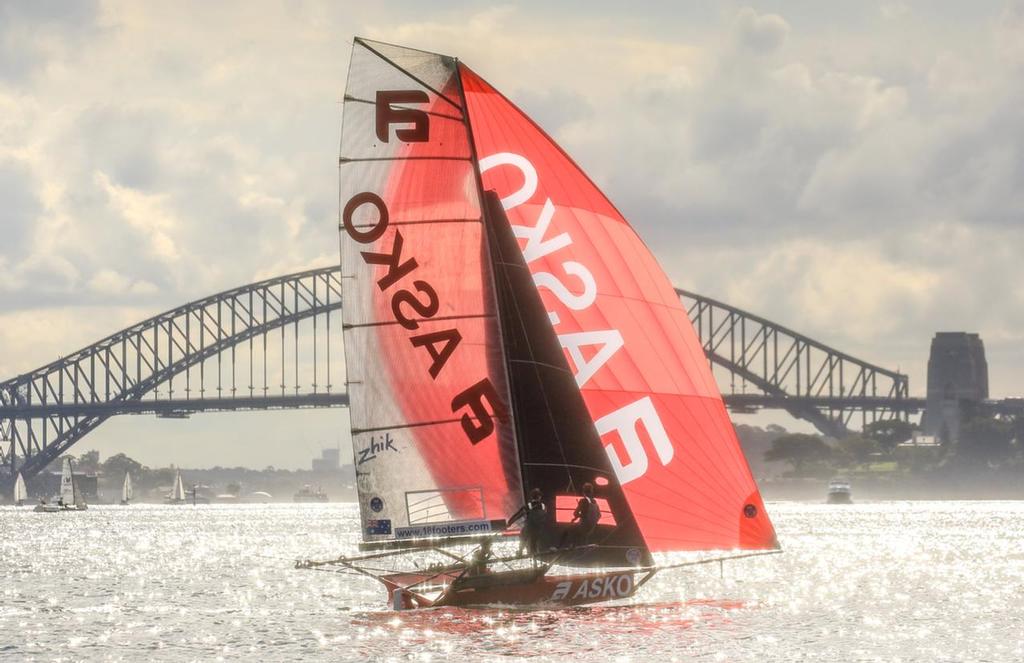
887, 581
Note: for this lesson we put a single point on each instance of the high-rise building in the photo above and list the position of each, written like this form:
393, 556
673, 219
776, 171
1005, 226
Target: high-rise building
329, 461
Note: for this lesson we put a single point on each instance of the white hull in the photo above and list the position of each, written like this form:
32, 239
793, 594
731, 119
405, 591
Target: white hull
53, 508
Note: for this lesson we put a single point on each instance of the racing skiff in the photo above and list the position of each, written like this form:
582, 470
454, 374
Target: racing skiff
507, 330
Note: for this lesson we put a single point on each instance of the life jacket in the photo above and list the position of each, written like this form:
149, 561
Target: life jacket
536, 514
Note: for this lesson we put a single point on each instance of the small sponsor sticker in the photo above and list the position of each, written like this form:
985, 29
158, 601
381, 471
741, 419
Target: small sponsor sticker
462, 528
378, 445
633, 556
604, 587
377, 527
376, 504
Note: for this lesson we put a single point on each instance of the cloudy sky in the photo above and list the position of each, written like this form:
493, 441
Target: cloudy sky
853, 170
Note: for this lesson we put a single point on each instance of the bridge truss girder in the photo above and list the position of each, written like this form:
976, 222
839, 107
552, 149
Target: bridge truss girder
808, 379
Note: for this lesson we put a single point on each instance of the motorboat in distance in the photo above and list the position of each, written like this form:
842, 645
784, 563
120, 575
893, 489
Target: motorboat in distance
306, 494
839, 491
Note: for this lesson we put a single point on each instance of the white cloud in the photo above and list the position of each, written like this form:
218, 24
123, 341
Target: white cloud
855, 172
761, 33
894, 10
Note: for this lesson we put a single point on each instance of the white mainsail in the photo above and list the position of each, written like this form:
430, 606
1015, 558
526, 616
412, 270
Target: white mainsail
20, 492
178, 494
67, 484
126, 490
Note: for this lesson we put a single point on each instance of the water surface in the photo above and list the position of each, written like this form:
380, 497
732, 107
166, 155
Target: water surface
888, 581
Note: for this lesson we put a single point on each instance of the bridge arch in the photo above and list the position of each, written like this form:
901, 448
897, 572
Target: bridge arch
45, 411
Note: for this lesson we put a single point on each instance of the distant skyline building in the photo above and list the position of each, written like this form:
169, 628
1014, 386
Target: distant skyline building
329, 460
957, 372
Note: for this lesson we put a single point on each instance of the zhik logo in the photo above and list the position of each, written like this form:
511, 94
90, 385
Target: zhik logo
377, 446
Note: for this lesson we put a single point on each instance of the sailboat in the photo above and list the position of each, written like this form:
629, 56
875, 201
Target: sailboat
127, 493
507, 330
20, 492
70, 498
177, 495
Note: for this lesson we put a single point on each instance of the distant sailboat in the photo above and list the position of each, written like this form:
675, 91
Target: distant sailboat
127, 493
177, 495
70, 498
20, 492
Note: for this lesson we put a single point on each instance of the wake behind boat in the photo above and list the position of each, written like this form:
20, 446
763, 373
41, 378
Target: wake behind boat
507, 332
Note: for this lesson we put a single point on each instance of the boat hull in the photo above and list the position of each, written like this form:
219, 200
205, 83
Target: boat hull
54, 508
530, 588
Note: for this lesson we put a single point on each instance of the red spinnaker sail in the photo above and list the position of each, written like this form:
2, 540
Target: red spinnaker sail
637, 360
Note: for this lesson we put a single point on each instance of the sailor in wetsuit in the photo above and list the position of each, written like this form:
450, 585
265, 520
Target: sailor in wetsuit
586, 516
535, 517
480, 559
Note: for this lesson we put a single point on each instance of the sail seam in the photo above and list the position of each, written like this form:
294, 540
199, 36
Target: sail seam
533, 362
347, 160
421, 222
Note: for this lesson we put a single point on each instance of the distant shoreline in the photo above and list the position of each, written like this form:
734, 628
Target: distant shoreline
904, 489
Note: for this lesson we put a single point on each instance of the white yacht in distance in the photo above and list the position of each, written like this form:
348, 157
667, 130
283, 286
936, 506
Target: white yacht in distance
177, 495
70, 498
127, 493
20, 492
839, 491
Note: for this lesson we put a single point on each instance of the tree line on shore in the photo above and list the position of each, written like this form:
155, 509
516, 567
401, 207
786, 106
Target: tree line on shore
231, 480
984, 444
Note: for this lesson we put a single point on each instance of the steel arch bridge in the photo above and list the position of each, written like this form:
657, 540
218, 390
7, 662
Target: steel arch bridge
240, 349
277, 343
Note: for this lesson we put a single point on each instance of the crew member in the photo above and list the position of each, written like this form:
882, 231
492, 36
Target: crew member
478, 563
586, 516
535, 515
